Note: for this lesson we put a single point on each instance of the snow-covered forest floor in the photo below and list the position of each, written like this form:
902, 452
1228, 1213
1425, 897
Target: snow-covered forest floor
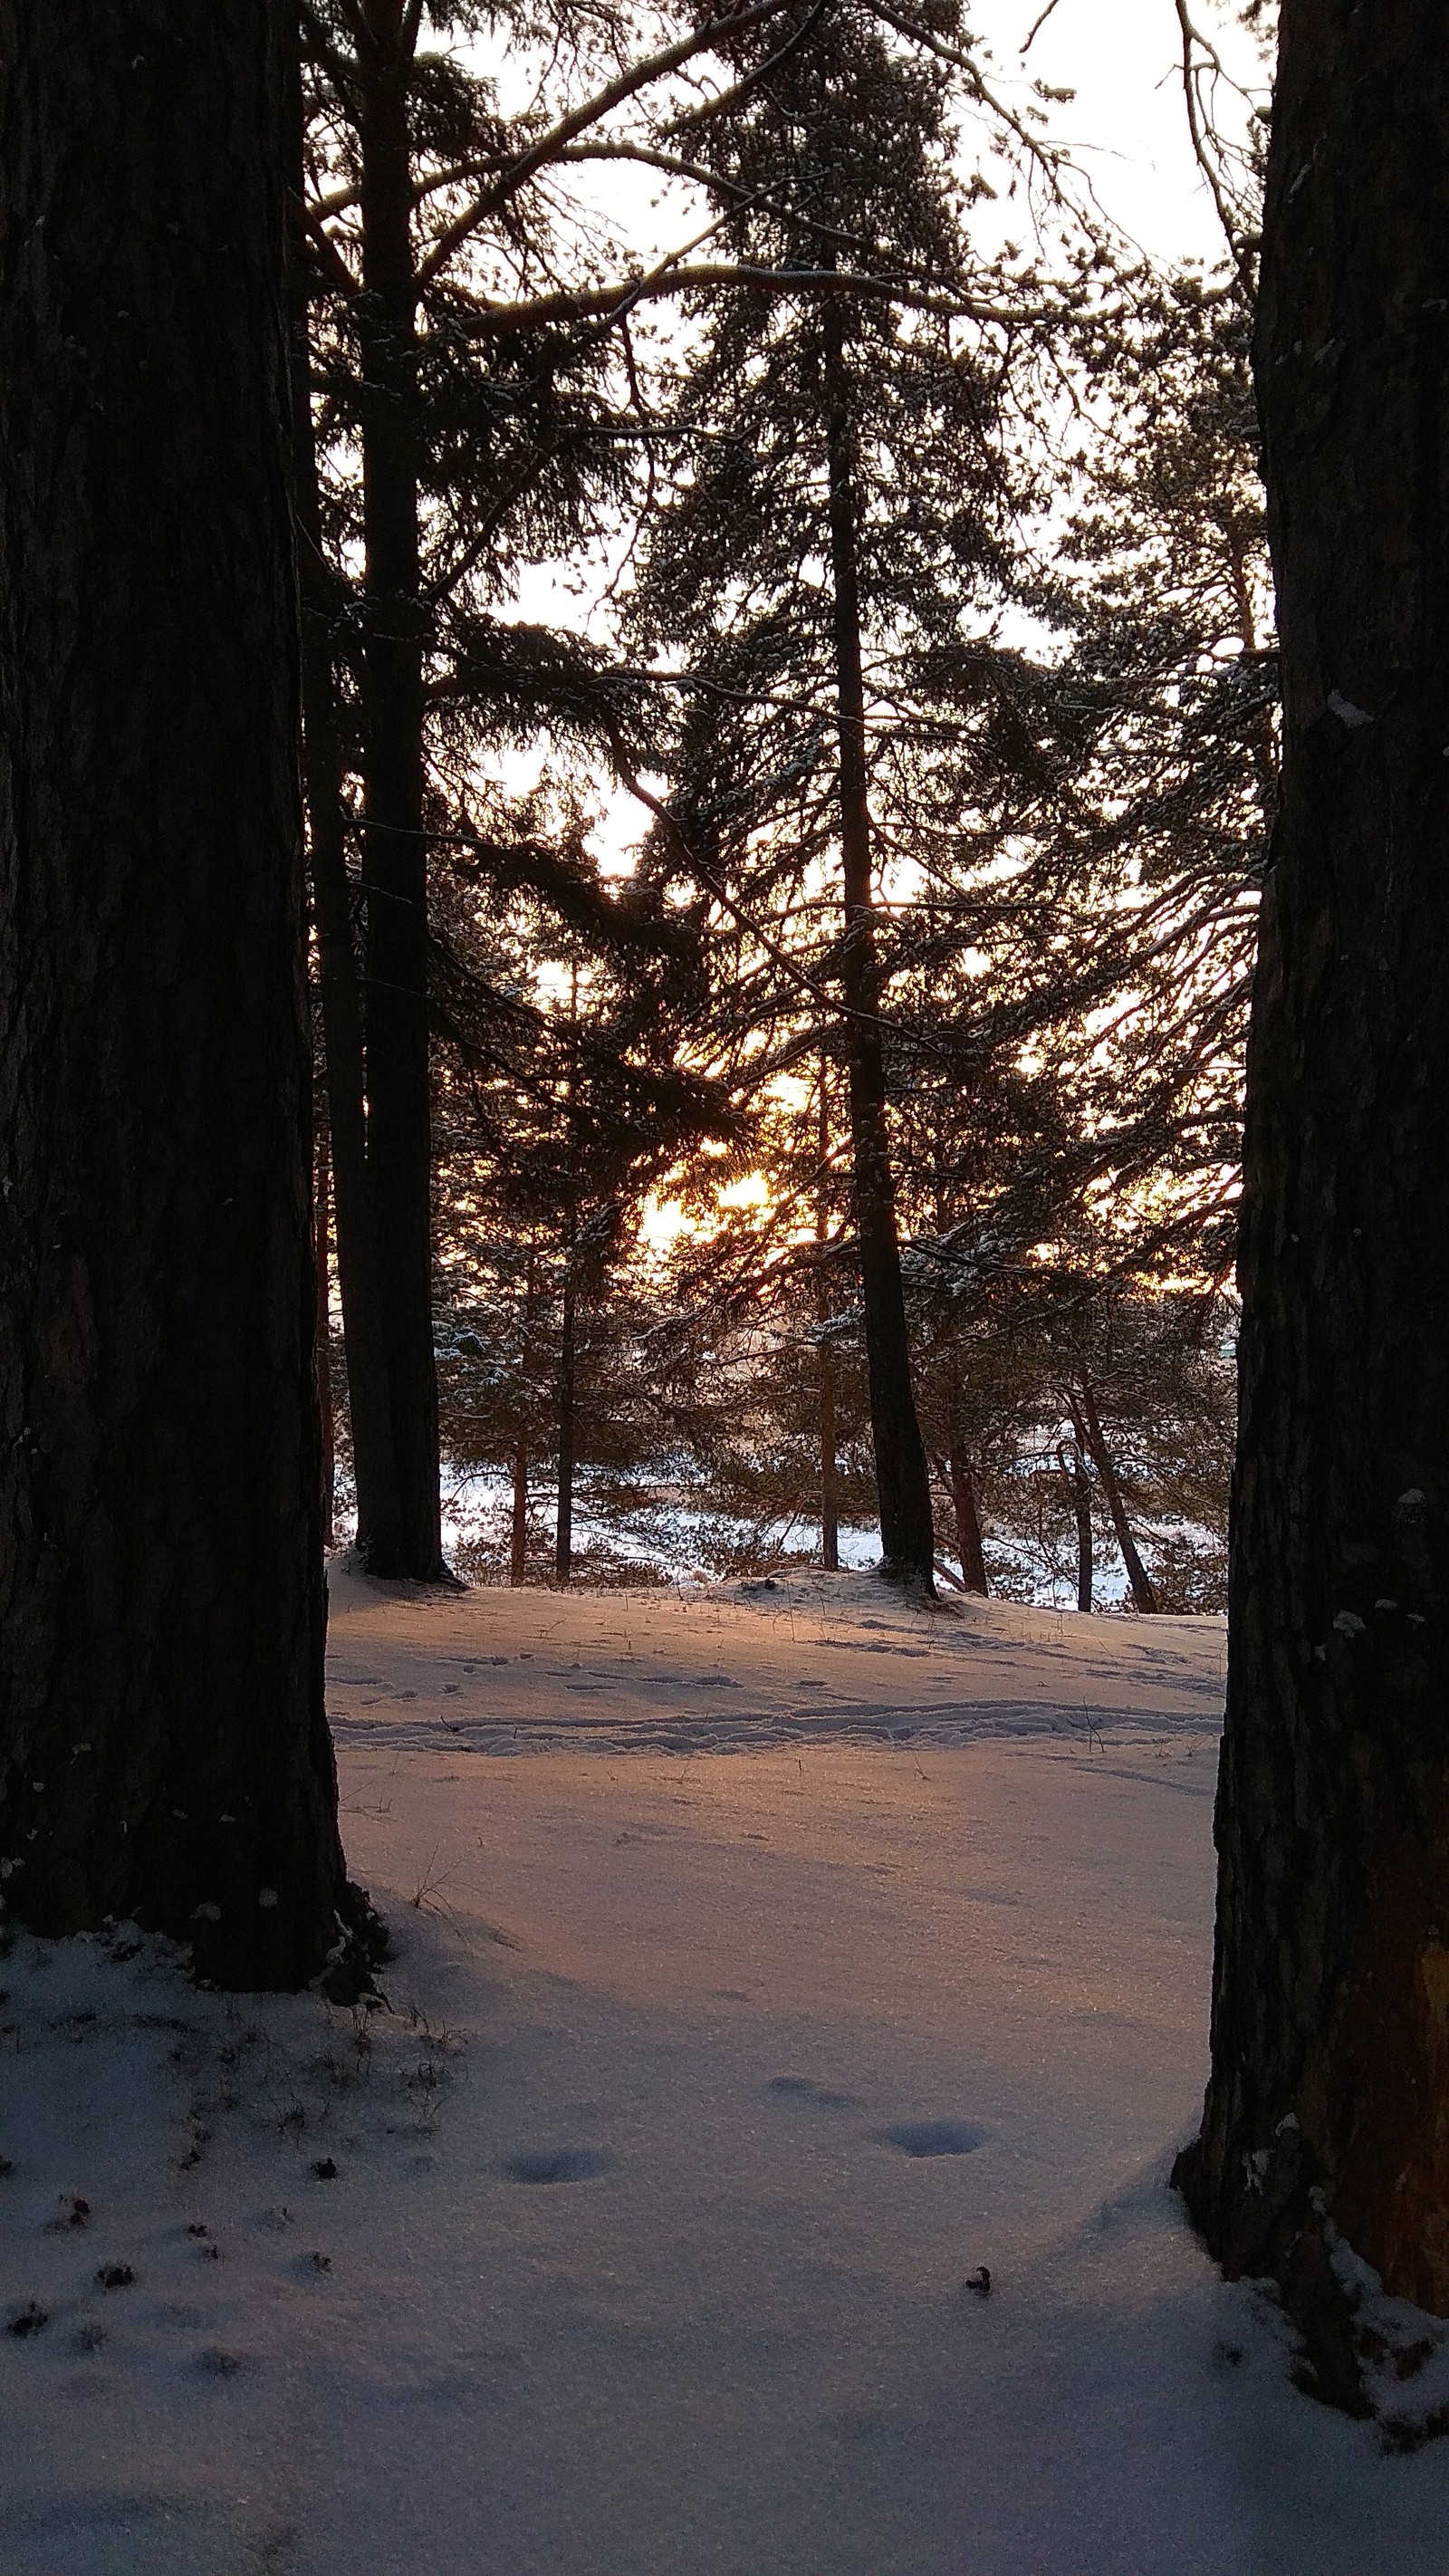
767, 1962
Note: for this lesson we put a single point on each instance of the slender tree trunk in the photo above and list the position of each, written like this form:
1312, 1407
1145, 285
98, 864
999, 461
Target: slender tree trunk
564, 1526
829, 1512
518, 1548
322, 1263
1073, 1463
902, 1476
1326, 2109
1082, 1504
399, 1106
1088, 1431
968, 1523
379, 1509
163, 1743
518, 1542
379, 1512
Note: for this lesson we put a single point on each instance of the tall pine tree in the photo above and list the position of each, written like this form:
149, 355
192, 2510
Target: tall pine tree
163, 1745
1325, 2117
823, 560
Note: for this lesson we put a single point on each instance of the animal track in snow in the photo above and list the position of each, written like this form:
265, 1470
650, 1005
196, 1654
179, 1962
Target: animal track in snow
555, 2164
933, 2137
803, 2088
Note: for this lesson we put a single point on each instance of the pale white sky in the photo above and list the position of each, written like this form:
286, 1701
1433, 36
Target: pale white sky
1127, 126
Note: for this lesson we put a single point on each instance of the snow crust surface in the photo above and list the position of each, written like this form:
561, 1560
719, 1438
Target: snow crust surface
803, 1954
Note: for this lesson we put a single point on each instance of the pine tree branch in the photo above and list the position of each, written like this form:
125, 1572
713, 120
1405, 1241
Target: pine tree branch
324, 251
638, 76
724, 100
836, 1008
321, 50
608, 302
1036, 28
1242, 247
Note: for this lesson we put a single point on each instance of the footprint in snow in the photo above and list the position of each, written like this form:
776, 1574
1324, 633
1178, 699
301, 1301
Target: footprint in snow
933, 2137
803, 2088
864, 2424
73, 2212
555, 2164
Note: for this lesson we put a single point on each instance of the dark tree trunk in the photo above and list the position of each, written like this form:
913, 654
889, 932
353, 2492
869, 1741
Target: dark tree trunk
399, 1104
968, 1524
322, 1267
518, 1541
903, 1478
829, 1511
1330, 2043
1074, 1468
563, 1550
518, 1536
379, 1510
1088, 1430
163, 1743
379, 1516
829, 1514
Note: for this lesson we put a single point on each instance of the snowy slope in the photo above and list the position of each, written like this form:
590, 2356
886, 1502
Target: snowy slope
709, 2079
817, 1658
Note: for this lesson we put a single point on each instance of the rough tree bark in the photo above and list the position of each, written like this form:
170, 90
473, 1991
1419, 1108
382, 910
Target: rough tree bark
395, 865
903, 1480
1328, 2105
163, 1743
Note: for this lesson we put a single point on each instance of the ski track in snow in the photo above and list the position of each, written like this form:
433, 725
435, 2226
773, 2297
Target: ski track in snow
635, 2237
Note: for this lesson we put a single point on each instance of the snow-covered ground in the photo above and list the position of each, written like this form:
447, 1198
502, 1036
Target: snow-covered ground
808, 1659
768, 1962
